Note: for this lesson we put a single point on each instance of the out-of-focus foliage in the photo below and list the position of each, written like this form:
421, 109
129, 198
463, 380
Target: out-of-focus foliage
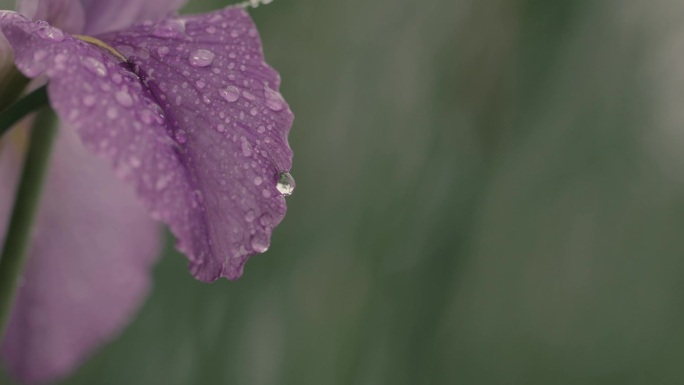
488, 192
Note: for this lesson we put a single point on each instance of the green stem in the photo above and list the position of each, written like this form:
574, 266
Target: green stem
26, 204
22, 107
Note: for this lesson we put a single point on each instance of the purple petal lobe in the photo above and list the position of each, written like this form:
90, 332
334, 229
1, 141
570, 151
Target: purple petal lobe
93, 17
67, 15
89, 264
108, 15
205, 139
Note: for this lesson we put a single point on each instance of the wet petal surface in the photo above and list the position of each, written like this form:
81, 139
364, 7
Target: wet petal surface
89, 264
194, 120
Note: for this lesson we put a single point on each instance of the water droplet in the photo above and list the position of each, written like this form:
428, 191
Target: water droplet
112, 113
286, 184
258, 180
201, 58
169, 28
260, 242
248, 95
39, 55
162, 51
134, 161
230, 93
253, 111
246, 147
89, 100
274, 100
220, 128
266, 220
250, 216
200, 84
95, 66
48, 32
181, 137
124, 98
163, 181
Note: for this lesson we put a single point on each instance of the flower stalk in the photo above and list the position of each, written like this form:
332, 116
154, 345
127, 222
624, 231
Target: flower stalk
19, 109
27, 201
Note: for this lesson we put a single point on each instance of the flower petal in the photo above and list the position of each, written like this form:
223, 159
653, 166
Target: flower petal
93, 17
107, 15
89, 264
67, 15
201, 130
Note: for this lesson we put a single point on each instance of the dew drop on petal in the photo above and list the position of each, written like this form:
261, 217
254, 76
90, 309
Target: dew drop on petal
95, 66
246, 147
266, 220
258, 180
248, 95
274, 105
162, 51
169, 28
112, 113
230, 93
250, 216
274, 100
259, 242
48, 32
181, 137
201, 58
124, 98
286, 184
89, 100
39, 55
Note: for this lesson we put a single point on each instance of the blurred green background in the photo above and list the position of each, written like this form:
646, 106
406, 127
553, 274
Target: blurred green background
488, 192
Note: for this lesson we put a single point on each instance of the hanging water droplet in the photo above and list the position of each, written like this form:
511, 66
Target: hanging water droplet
286, 184
260, 242
230, 93
201, 58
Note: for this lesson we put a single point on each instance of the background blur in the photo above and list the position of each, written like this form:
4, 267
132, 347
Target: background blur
488, 192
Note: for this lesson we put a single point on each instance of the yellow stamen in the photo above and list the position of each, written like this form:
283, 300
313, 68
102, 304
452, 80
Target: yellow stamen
101, 44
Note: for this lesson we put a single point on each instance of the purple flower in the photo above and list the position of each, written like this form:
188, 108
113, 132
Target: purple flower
183, 109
